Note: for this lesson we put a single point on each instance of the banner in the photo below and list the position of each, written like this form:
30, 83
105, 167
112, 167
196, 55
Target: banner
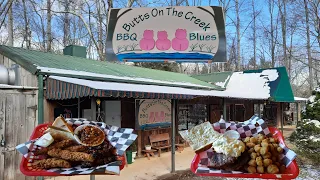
181, 34
153, 113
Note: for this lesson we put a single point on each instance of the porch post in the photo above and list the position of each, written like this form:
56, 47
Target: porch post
40, 105
40, 99
78, 107
173, 134
224, 109
281, 108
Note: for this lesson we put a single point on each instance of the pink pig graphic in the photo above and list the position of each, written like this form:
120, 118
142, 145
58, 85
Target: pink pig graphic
180, 42
147, 43
163, 43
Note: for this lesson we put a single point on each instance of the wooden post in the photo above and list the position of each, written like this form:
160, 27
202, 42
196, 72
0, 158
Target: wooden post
79, 107
40, 99
298, 113
93, 109
279, 116
173, 134
224, 109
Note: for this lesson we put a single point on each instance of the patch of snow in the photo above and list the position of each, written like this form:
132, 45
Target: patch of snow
312, 98
83, 73
250, 85
315, 122
314, 139
223, 84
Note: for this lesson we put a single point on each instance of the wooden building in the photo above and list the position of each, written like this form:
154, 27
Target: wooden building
109, 92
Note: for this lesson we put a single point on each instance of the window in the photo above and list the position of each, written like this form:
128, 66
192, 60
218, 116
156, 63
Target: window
191, 115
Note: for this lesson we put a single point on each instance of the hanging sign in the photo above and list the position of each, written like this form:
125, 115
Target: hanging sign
153, 113
182, 34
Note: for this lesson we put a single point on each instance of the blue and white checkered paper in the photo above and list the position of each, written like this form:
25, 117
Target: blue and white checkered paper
120, 138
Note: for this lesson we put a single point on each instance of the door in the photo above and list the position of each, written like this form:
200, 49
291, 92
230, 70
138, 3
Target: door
17, 121
112, 111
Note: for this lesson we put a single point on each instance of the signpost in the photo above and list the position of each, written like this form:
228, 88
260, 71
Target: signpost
180, 34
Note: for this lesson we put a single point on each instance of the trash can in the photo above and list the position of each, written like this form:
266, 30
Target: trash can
129, 157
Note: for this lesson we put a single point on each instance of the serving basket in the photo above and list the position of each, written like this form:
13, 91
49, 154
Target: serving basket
291, 172
28, 170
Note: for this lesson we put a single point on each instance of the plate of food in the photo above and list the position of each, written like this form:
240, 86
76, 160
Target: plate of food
245, 150
75, 147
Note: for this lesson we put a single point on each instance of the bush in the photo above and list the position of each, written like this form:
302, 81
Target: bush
307, 138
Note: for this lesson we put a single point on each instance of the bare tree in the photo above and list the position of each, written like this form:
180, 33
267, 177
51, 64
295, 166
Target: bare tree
10, 26
27, 32
238, 36
273, 44
66, 25
283, 13
254, 35
308, 45
49, 33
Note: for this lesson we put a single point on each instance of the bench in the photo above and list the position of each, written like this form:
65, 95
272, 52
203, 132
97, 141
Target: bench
160, 141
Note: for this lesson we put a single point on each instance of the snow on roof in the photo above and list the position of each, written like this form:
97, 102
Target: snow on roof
223, 84
89, 74
239, 86
300, 99
250, 85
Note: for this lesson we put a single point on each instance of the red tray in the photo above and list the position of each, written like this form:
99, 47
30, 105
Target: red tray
292, 171
27, 170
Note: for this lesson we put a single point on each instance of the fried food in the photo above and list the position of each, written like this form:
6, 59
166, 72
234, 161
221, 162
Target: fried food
257, 148
60, 145
51, 163
267, 162
267, 155
259, 161
280, 150
253, 155
71, 156
252, 169
264, 150
250, 144
77, 148
253, 140
260, 169
252, 162
272, 169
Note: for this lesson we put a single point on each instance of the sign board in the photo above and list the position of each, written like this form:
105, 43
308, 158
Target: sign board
153, 113
181, 34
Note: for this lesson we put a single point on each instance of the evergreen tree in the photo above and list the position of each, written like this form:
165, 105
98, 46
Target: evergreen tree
313, 107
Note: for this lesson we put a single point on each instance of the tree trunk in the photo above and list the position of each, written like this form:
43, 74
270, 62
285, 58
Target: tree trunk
238, 37
308, 45
10, 26
66, 26
273, 47
27, 32
49, 35
282, 9
100, 31
254, 36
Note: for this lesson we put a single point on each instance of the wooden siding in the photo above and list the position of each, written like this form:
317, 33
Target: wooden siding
26, 78
17, 121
